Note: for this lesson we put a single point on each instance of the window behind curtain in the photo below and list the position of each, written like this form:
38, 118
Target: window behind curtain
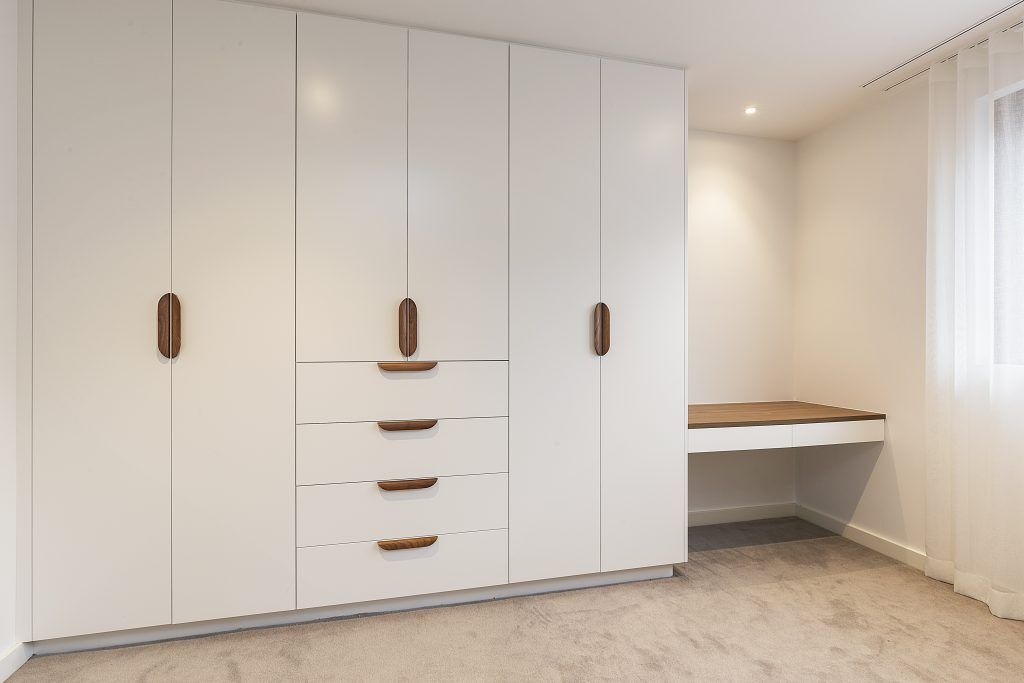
1008, 240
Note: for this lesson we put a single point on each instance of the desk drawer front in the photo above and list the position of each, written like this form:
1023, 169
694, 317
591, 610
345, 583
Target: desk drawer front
827, 433
740, 438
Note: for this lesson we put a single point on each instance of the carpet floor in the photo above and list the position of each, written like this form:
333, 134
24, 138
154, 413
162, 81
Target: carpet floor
820, 608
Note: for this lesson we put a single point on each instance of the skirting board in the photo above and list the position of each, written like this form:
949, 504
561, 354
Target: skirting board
13, 660
741, 514
889, 548
202, 628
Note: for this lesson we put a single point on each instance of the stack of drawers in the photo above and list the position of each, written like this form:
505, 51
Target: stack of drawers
355, 460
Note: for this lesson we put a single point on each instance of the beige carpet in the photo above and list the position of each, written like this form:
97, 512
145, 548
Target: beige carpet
821, 609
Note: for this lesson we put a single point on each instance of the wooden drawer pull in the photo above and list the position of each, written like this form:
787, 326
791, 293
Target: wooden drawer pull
409, 366
406, 425
407, 543
602, 329
168, 325
407, 484
407, 326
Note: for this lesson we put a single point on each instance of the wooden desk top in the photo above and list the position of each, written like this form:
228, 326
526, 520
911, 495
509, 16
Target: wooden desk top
704, 415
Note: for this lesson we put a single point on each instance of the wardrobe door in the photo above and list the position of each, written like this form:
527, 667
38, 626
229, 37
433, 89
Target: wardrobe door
458, 195
643, 405
101, 262
554, 283
351, 172
233, 417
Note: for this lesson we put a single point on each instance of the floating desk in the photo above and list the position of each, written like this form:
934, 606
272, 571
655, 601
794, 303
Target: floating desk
778, 424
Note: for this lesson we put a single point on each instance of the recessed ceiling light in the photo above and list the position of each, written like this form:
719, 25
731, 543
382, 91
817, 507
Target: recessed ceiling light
749, 111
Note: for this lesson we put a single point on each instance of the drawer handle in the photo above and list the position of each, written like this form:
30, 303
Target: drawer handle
168, 325
602, 329
407, 325
407, 484
406, 425
407, 543
411, 366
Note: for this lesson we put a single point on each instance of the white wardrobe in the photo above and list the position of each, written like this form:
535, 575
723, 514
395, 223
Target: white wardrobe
314, 313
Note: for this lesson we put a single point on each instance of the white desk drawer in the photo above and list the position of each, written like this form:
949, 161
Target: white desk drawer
361, 451
362, 392
827, 433
357, 572
713, 439
349, 513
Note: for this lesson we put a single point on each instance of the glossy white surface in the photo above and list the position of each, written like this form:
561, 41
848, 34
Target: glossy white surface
554, 373
361, 392
643, 379
740, 438
351, 188
458, 195
233, 426
354, 572
827, 433
362, 451
101, 404
348, 513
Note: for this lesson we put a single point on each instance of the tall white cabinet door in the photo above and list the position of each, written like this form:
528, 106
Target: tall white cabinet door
101, 389
458, 195
351, 183
643, 405
554, 283
233, 405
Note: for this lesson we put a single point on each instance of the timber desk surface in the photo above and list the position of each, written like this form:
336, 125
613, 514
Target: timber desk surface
704, 415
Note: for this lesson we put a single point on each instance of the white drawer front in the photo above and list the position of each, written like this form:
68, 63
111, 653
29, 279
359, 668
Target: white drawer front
349, 513
361, 451
740, 438
361, 392
357, 572
825, 433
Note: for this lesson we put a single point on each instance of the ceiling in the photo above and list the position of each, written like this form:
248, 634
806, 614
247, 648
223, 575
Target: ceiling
801, 62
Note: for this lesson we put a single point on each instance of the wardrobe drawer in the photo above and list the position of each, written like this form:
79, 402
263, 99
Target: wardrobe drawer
828, 433
363, 392
713, 439
361, 451
357, 572
349, 513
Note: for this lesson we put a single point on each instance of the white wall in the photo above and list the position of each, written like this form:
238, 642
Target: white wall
8, 314
860, 309
742, 221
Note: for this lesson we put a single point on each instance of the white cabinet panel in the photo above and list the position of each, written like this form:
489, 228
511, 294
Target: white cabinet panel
740, 438
233, 416
351, 188
362, 392
357, 572
827, 433
554, 373
101, 389
643, 406
458, 195
362, 511
361, 451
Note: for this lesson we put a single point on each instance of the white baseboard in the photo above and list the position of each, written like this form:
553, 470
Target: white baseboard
13, 660
202, 628
880, 544
741, 514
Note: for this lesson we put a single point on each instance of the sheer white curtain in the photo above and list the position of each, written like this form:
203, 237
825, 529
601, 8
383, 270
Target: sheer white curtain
975, 335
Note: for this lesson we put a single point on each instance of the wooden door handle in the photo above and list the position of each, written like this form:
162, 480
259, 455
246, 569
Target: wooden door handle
407, 326
407, 484
407, 543
602, 329
168, 325
408, 366
406, 425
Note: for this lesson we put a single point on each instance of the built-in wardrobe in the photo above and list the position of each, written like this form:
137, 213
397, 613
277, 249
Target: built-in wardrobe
328, 311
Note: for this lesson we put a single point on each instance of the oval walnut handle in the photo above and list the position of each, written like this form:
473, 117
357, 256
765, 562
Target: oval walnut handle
602, 329
407, 324
406, 425
168, 325
407, 543
408, 366
407, 484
